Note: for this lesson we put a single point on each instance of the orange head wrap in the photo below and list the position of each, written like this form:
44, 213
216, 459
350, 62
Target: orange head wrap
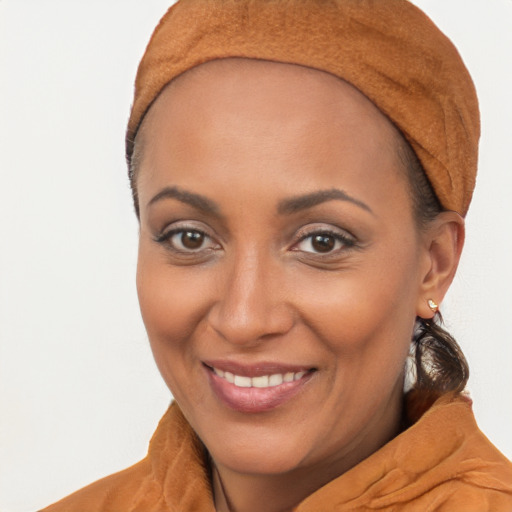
388, 49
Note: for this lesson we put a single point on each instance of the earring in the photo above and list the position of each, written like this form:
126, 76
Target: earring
432, 305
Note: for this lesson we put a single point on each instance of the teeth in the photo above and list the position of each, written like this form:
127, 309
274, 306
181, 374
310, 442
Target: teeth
243, 382
275, 380
263, 381
260, 382
220, 373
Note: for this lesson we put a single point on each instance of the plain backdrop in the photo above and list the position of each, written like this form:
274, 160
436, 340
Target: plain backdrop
79, 393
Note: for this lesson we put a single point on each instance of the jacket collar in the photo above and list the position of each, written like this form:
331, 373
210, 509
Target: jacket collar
403, 471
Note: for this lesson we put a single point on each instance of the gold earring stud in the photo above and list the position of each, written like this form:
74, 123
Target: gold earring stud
432, 305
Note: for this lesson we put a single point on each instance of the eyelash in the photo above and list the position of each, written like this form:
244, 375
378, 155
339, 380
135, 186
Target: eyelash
166, 237
346, 241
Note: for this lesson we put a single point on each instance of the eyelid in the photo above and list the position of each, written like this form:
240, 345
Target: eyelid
317, 228
167, 233
183, 225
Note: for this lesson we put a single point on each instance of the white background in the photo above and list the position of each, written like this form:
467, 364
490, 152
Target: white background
79, 393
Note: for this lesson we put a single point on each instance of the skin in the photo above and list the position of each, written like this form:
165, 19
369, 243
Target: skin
248, 136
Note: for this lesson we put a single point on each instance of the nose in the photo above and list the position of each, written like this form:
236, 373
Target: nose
252, 302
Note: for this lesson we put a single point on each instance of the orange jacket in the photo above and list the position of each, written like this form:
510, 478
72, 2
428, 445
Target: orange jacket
441, 463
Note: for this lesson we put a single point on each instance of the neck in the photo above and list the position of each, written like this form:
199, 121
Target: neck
236, 492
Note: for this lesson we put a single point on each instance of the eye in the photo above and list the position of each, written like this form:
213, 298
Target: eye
323, 242
187, 240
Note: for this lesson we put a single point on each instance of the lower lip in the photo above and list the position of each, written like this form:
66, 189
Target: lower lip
255, 400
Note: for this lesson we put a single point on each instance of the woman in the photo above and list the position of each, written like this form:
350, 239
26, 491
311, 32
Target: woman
301, 172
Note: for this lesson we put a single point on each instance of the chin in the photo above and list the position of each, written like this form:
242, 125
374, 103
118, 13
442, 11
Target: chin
257, 450
259, 459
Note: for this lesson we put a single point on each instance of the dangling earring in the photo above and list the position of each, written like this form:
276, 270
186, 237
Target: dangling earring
432, 305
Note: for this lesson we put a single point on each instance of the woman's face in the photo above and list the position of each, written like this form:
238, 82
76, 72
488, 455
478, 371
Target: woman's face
280, 266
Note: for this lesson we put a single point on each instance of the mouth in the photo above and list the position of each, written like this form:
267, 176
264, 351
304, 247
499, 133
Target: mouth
263, 381
256, 388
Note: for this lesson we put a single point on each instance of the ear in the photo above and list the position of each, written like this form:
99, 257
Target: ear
443, 239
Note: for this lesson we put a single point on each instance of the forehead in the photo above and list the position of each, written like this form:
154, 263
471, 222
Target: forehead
262, 89
238, 118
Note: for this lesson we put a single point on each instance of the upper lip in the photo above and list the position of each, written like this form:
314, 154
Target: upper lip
256, 369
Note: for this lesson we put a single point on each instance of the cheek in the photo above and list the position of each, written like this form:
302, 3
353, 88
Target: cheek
364, 320
170, 302
367, 311
172, 309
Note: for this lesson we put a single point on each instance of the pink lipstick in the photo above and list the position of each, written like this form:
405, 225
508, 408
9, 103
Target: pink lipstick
256, 388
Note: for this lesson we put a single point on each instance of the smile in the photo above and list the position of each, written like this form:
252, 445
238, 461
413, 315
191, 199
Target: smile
263, 381
257, 388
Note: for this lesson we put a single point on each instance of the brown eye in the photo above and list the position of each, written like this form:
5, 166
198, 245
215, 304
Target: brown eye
187, 241
323, 243
191, 240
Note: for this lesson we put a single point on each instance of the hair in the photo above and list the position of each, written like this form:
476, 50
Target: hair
439, 365
134, 163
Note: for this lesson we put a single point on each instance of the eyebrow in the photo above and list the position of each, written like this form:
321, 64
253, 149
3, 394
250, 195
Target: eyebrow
197, 201
303, 202
285, 207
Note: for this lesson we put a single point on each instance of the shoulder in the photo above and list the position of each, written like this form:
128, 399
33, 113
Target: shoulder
441, 463
127, 490
457, 465
173, 476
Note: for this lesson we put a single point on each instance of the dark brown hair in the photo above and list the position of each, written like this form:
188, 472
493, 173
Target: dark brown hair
439, 364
